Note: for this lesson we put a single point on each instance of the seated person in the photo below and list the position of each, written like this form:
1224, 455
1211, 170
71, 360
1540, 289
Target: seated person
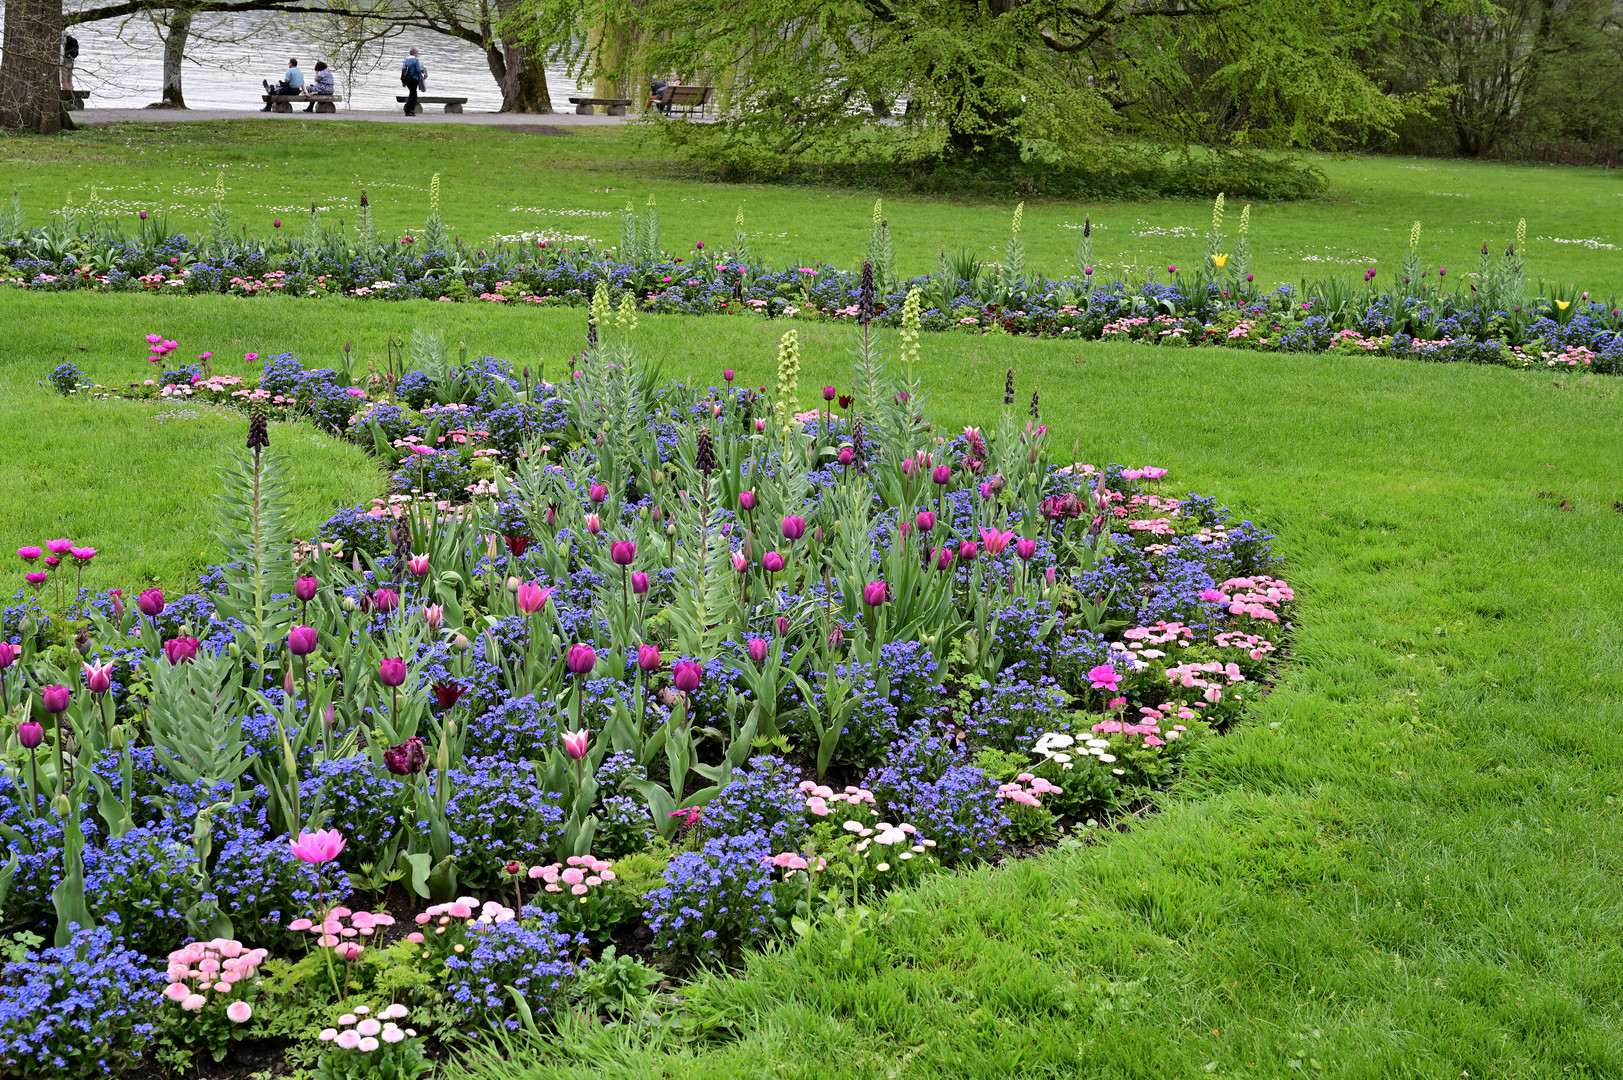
322, 85
657, 92
292, 84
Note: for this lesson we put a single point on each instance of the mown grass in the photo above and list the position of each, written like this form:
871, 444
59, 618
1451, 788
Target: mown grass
502, 182
1404, 864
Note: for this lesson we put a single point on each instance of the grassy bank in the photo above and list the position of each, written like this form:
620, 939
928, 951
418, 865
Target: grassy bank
1405, 864
499, 182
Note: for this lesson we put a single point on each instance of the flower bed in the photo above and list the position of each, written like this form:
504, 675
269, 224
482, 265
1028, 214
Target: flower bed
641, 677
1489, 314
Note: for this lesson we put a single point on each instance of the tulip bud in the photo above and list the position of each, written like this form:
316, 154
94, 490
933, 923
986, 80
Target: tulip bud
63, 807
461, 642
30, 734
349, 604
782, 625
234, 650
512, 584
757, 650
117, 737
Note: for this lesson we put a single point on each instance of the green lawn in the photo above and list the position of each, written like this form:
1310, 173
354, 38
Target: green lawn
498, 182
1405, 864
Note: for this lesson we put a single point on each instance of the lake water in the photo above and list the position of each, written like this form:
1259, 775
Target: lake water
121, 64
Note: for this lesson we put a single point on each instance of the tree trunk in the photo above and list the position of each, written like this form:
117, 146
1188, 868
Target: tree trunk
174, 51
523, 84
31, 67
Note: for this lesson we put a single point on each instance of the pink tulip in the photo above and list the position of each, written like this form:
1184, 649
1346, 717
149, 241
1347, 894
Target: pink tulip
98, 678
740, 563
434, 616
622, 552
531, 597
873, 593
757, 650
967, 551
847, 455
9, 654
639, 583
647, 657
418, 565
593, 524
1025, 548
794, 527
304, 589
580, 659
321, 846
925, 520
575, 743
772, 562
386, 600
181, 649
943, 557
392, 671
56, 698
30, 734
995, 541
746, 500
597, 493
116, 597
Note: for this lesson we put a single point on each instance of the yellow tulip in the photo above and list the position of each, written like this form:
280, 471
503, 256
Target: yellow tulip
1220, 260
1562, 305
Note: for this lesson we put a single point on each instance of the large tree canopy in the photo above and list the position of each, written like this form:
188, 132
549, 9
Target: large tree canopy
981, 73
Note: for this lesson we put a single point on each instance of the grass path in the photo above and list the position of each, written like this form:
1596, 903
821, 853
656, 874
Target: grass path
1405, 864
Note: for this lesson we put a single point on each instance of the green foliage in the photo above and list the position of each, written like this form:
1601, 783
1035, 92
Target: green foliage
615, 987
256, 543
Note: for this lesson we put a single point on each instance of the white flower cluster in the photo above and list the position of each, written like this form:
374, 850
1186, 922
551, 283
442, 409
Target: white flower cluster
1055, 746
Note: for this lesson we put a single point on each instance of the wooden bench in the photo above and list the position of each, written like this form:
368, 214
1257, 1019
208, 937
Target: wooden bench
689, 99
283, 103
74, 99
587, 106
452, 104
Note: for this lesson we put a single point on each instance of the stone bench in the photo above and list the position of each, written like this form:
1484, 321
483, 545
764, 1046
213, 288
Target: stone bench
283, 103
452, 104
587, 106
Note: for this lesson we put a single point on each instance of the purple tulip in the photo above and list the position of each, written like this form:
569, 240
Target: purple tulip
597, 492
304, 589
873, 593
772, 562
967, 551
9, 654
794, 527
301, 640
56, 698
829, 393
782, 625
728, 374
30, 734
392, 671
639, 582
647, 657
757, 650
847, 455
407, 758
942, 474
685, 674
746, 499
150, 602
622, 552
386, 600
181, 649
1025, 548
925, 519
580, 659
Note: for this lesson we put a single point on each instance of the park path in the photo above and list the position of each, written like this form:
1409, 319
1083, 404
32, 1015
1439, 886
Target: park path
432, 115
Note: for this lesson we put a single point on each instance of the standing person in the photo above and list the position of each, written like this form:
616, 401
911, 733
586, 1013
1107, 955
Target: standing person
322, 85
70, 53
414, 77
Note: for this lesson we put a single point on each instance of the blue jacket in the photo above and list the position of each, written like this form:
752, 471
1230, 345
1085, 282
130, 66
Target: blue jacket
323, 84
413, 69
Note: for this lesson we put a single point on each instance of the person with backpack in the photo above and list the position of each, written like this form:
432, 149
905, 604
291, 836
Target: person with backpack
414, 77
70, 53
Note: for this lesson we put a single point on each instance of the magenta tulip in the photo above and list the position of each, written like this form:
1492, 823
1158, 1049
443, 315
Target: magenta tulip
942, 474
116, 598
847, 455
580, 659
181, 649
943, 557
575, 743
794, 527
728, 373
418, 565
995, 541
301, 640
9, 654
622, 552
30, 734
782, 624
647, 657
597, 492
873, 593
772, 562
967, 551
98, 677
639, 583
685, 674
56, 698
392, 671
925, 520
829, 393
746, 499
150, 602
757, 650
1025, 548
386, 600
